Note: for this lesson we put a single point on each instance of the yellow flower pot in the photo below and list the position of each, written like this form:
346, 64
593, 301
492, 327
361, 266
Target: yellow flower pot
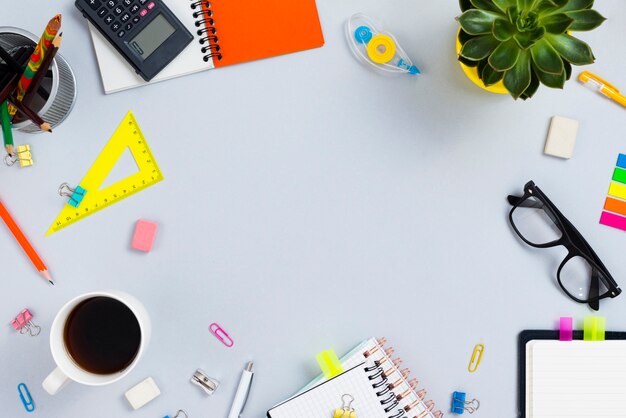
472, 74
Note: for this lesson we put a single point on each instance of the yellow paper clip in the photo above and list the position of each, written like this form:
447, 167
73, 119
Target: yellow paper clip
477, 356
23, 155
603, 87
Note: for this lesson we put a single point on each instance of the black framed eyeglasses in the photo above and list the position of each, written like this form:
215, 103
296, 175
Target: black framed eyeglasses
540, 224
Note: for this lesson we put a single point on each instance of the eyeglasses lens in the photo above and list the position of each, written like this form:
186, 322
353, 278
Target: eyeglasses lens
535, 222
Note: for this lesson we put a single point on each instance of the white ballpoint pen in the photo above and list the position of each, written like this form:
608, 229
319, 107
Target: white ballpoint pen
242, 392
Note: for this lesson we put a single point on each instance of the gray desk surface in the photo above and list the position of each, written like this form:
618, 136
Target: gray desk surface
310, 203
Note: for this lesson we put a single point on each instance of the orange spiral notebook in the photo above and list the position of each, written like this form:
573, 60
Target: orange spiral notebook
226, 32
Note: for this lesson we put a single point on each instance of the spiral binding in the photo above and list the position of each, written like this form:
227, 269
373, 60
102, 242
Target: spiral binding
206, 29
380, 376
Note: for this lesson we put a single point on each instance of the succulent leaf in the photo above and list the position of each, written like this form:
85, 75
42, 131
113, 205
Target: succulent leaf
526, 40
464, 36
585, 20
490, 76
467, 62
573, 5
505, 56
477, 22
555, 81
546, 58
545, 6
532, 87
465, 5
573, 50
503, 30
479, 48
512, 13
557, 23
485, 5
525, 5
504, 4
518, 78
568, 70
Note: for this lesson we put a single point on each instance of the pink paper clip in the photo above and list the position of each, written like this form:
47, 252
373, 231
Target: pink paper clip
566, 329
221, 335
24, 324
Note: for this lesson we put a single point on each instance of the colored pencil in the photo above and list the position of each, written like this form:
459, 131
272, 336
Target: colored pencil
30, 114
6, 127
21, 239
36, 58
42, 71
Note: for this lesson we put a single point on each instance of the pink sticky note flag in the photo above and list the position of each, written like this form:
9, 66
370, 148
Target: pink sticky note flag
566, 329
612, 220
145, 231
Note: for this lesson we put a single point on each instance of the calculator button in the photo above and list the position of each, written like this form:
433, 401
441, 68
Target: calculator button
143, 12
128, 2
116, 26
151, 5
109, 19
121, 34
118, 10
94, 4
142, 2
128, 27
102, 12
134, 8
136, 19
111, 4
125, 17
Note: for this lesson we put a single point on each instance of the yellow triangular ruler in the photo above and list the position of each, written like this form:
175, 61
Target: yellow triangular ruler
126, 136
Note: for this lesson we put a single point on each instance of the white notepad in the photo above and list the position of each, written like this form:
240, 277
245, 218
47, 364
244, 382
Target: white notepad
575, 379
118, 75
324, 399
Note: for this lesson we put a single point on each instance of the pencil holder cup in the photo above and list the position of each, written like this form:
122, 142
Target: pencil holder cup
60, 82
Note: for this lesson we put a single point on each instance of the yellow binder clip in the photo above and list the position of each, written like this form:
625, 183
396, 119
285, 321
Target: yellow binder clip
477, 356
346, 410
23, 155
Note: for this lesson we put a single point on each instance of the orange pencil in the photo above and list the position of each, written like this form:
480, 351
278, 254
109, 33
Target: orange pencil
21, 239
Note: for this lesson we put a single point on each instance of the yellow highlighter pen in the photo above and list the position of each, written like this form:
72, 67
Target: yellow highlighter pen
602, 86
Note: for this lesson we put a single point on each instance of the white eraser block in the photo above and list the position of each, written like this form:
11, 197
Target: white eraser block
561, 137
142, 393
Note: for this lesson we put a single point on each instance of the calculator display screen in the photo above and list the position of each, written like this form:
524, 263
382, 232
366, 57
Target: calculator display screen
152, 36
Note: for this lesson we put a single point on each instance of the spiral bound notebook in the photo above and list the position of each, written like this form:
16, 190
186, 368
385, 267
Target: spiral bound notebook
379, 387
226, 32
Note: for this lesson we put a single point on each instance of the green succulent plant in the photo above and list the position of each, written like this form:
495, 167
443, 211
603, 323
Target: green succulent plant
525, 43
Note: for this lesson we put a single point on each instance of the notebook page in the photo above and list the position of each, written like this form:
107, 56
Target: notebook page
576, 379
322, 400
118, 75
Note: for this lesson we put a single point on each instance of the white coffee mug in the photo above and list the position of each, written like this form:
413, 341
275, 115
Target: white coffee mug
67, 370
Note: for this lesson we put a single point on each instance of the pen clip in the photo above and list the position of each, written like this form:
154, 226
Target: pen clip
587, 76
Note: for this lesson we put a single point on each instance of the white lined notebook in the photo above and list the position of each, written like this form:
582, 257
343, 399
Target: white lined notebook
379, 387
575, 379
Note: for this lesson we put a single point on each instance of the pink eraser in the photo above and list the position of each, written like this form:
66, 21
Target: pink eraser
145, 231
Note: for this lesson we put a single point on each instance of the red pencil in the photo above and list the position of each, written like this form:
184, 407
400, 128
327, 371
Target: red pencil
21, 239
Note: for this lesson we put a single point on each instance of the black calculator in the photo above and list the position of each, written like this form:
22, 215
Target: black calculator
146, 32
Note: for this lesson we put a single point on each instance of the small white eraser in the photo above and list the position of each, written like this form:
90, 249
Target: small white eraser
142, 393
561, 137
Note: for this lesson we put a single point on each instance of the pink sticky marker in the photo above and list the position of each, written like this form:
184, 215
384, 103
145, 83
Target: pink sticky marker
221, 335
613, 220
566, 329
145, 232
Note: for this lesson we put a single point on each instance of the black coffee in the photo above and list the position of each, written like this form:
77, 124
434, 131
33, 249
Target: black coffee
102, 335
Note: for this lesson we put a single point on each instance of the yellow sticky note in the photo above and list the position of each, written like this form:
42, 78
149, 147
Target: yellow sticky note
618, 190
329, 363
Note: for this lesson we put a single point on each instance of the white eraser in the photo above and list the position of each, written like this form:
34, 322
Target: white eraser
561, 137
142, 393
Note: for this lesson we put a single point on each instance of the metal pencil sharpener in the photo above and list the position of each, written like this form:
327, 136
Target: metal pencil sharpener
206, 383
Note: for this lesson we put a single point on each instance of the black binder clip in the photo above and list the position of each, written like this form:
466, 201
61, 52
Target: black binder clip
460, 405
